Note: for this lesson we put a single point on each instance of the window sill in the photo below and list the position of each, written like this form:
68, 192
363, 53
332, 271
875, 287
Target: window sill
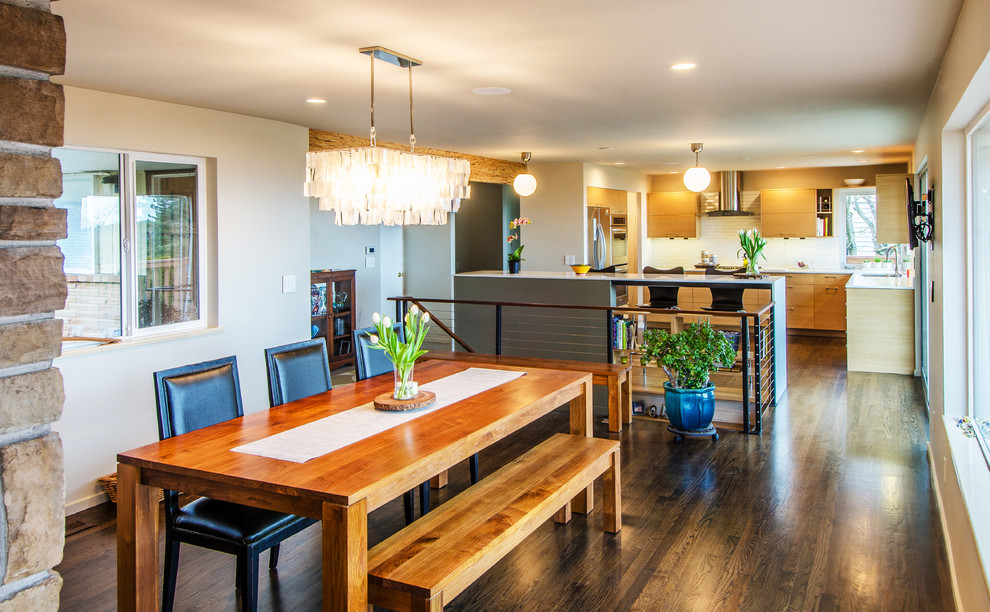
126, 343
973, 475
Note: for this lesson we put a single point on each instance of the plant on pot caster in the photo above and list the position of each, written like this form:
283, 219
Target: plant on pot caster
688, 358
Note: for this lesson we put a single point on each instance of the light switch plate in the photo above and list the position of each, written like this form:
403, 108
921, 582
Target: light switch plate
568, 260
289, 283
369, 262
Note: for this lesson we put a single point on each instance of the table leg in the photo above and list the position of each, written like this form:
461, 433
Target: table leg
581, 425
345, 557
137, 541
439, 481
626, 388
614, 405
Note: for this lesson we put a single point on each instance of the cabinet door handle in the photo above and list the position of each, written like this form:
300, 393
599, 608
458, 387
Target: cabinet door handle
831, 289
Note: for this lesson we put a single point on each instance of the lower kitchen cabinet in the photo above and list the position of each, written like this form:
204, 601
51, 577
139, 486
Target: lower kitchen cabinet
816, 301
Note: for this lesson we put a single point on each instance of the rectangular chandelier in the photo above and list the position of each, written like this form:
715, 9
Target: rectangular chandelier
379, 186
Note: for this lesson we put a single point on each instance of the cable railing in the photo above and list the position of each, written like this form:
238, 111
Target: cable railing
587, 333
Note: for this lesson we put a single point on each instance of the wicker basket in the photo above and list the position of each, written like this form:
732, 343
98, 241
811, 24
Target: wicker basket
109, 485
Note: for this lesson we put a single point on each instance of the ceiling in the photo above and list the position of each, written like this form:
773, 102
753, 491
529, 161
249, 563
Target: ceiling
779, 82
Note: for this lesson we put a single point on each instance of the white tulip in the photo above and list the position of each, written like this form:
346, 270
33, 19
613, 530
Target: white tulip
376, 318
414, 310
387, 322
426, 317
373, 338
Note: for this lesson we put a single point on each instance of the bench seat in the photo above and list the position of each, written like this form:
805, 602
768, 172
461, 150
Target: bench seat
427, 564
616, 377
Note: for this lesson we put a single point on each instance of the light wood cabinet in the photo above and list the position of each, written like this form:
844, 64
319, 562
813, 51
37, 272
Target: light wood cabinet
613, 199
892, 225
672, 214
816, 301
789, 213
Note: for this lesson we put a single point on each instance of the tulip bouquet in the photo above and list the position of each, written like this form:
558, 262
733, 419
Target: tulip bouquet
402, 354
751, 245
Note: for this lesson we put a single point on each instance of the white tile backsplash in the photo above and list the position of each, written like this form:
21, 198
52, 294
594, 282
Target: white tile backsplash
720, 235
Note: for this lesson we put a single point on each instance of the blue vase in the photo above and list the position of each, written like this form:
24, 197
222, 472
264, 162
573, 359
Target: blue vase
690, 409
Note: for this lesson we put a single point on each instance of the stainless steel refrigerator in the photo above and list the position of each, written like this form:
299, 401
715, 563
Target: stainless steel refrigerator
606, 239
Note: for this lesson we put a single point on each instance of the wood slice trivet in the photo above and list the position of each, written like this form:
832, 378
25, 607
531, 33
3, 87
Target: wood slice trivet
385, 401
744, 275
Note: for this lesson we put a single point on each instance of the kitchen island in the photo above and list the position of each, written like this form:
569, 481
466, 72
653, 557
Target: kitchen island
880, 313
580, 334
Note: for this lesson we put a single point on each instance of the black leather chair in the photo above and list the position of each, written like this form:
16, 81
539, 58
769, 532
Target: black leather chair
297, 370
372, 362
190, 398
663, 297
725, 299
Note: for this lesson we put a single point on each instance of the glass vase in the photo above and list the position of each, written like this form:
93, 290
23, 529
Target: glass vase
752, 268
405, 386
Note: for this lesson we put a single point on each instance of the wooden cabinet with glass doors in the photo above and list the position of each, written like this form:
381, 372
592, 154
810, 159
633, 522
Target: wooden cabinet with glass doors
332, 308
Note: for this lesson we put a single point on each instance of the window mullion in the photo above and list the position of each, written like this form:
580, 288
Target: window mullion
128, 256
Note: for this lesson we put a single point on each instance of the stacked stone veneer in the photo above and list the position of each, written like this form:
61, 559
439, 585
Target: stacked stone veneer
32, 287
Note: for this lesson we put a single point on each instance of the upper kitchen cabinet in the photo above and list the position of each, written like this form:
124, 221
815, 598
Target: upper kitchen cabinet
672, 214
892, 227
789, 213
613, 199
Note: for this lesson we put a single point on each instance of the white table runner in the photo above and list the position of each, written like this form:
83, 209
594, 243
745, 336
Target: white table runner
336, 431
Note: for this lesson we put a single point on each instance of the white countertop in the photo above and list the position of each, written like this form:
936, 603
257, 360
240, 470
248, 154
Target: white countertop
862, 281
632, 278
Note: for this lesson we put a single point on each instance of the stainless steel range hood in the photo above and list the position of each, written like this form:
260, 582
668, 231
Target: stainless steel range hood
728, 197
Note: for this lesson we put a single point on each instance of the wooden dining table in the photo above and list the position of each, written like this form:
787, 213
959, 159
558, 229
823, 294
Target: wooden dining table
339, 488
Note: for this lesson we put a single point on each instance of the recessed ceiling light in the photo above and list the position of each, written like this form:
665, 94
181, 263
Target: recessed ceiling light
781, 167
605, 148
862, 161
316, 100
684, 66
491, 91
673, 172
670, 163
620, 163
859, 150
742, 158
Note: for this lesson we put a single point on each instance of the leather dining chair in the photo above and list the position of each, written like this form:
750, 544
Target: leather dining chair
725, 299
297, 370
663, 297
189, 398
372, 362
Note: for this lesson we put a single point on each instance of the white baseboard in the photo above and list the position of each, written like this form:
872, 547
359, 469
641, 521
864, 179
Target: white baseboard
87, 502
945, 528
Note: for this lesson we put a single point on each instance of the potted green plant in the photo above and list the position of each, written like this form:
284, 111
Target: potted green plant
751, 245
402, 354
515, 257
688, 357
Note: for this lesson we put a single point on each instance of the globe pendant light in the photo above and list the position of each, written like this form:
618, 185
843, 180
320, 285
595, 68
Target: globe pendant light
375, 185
697, 178
525, 183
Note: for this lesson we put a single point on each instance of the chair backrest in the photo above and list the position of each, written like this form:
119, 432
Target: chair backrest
195, 396
663, 297
726, 299
297, 370
608, 270
372, 361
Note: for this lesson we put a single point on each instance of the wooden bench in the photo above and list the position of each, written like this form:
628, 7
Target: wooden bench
613, 375
427, 564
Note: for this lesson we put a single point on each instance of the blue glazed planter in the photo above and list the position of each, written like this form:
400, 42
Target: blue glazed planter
690, 409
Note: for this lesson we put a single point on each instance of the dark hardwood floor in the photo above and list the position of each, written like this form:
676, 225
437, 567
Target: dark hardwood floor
830, 509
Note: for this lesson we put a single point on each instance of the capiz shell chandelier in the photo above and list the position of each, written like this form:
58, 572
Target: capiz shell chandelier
380, 186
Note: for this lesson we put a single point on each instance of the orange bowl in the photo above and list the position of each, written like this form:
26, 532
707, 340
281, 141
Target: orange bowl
580, 269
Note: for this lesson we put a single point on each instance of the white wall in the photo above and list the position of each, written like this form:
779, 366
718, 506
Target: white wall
557, 212
962, 90
262, 232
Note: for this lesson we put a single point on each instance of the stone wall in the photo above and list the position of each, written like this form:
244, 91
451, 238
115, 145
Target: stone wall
32, 287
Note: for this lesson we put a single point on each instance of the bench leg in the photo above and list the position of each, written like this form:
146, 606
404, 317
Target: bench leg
581, 425
563, 515
435, 604
626, 387
614, 405
439, 481
612, 485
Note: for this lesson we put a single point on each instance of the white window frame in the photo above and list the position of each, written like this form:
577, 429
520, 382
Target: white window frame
839, 198
982, 118
128, 231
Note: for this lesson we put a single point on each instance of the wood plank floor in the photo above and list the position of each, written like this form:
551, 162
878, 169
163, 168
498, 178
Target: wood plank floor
830, 509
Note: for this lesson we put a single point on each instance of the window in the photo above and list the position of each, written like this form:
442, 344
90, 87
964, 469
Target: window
132, 255
979, 169
861, 225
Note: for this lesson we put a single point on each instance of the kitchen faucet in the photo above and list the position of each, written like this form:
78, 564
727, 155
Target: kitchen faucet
897, 258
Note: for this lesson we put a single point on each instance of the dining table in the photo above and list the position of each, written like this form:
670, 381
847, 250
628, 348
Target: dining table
243, 461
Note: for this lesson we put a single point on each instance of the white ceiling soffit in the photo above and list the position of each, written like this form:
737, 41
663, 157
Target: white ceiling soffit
779, 82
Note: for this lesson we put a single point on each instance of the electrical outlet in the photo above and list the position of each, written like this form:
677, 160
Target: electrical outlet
569, 260
289, 283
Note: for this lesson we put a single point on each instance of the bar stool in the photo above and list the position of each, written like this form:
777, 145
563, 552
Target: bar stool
663, 297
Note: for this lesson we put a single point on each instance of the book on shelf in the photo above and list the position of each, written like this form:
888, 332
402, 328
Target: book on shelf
623, 333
